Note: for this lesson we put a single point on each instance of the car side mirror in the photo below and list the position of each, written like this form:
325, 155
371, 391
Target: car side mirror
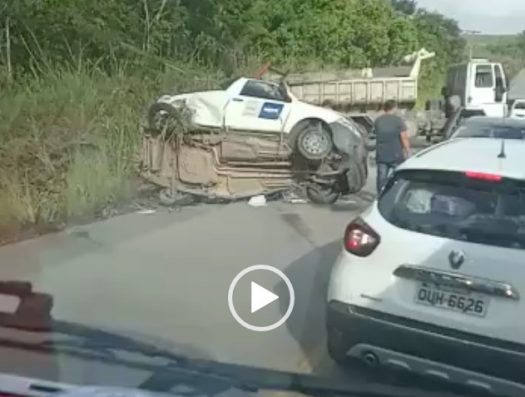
500, 89
500, 84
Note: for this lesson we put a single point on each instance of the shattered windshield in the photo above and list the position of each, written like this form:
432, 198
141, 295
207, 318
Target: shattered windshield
183, 172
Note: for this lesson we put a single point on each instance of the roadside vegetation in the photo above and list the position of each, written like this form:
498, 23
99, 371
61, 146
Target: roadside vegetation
76, 77
508, 49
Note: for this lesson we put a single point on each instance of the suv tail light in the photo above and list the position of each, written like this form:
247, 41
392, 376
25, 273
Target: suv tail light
360, 238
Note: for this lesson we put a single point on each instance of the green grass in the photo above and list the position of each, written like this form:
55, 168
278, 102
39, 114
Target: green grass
498, 48
486, 39
69, 140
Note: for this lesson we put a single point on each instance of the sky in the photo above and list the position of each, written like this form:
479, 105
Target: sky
486, 16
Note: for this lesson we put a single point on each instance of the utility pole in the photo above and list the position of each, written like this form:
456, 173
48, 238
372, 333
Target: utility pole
471, 45
8, 50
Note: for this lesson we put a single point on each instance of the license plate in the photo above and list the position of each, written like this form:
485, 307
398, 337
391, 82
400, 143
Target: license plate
430, 295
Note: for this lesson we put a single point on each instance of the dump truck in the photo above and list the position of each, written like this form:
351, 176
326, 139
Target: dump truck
473, 87
360, 94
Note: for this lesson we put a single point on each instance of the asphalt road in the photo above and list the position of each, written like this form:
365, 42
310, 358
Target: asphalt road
165, 276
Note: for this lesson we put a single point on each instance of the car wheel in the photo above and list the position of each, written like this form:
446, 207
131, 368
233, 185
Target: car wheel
168, 198
322, 194
163, 118
314, 142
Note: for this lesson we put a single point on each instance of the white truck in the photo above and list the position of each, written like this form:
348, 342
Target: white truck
475, 87
479, 87
361, 93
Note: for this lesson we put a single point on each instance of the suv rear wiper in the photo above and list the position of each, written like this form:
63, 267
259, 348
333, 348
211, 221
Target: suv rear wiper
209, 376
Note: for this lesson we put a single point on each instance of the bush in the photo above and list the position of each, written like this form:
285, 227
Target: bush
68, 140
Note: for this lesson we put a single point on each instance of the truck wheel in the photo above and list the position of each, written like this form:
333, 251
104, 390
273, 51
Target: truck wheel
322, 194
314, 142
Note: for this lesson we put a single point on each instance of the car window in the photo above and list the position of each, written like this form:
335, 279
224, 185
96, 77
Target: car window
519, 105
475, 130
484, 77
456, 206
264, 90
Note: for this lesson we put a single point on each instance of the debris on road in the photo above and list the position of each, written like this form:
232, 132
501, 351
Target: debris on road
293, 198
146, 212
257, 201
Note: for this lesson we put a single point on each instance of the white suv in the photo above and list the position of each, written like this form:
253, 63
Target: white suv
431, 278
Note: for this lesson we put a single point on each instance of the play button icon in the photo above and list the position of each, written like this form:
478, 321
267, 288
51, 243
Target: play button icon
261, 298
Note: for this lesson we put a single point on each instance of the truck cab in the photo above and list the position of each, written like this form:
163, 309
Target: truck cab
479, 87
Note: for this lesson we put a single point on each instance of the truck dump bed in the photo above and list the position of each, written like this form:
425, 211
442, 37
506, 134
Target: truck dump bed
360, 88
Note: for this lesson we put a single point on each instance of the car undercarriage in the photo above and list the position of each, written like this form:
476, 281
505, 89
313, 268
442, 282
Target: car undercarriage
227, 164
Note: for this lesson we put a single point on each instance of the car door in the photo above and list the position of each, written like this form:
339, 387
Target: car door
257, 106
486, 80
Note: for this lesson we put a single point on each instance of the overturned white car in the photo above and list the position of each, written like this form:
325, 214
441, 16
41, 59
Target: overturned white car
252, 138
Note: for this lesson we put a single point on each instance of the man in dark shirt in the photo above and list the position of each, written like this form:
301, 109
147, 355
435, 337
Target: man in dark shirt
392, 143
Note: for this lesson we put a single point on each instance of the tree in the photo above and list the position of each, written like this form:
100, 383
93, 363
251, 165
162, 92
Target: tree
443, 36
346, 33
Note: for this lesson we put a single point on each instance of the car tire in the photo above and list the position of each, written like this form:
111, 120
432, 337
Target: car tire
356, 178
314, 142
322, 195
164, 118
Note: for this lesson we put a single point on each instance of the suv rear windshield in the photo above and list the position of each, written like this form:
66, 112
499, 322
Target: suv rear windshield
456, 206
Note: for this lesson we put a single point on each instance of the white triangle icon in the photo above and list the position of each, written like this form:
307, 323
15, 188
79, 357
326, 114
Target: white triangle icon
261, 297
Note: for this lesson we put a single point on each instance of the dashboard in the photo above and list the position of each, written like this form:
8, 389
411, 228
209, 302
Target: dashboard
17, 386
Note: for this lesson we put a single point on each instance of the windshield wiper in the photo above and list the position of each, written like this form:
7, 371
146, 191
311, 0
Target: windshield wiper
208, 376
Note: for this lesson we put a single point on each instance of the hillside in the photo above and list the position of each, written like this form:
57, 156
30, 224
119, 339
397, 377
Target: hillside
508, 49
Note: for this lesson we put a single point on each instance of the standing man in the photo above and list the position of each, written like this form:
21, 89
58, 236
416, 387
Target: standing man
392, 142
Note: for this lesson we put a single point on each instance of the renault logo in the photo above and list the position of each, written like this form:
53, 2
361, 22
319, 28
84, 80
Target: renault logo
456, 259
